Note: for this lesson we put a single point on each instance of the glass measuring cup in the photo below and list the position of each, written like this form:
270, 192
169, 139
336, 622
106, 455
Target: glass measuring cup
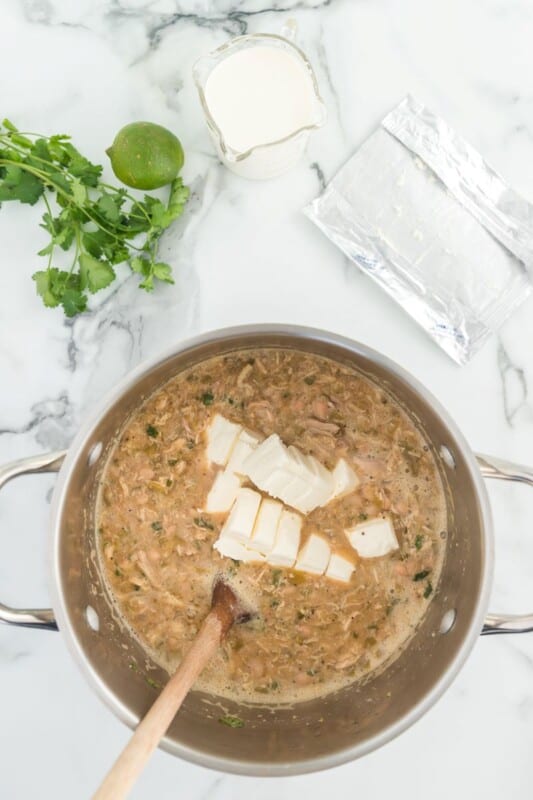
264, 159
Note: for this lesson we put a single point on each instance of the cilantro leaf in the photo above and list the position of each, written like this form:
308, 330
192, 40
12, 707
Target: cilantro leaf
79, 191
18, 184
57, 180
109, 208
162, 215
40, 152
158, 213
137, 265
150, 270
43, 285
61, 231
148, 283
231, 721
60, 287
101, 244
73, 302
179, 194
79, 166
139, 219
163, 272
94, 274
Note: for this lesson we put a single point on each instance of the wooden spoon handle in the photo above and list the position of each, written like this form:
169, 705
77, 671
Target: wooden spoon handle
129, 765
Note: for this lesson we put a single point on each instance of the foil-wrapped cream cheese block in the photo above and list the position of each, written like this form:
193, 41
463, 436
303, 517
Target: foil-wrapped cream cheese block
418, 210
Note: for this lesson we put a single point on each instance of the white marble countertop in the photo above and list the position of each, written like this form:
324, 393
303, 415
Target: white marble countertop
245, 253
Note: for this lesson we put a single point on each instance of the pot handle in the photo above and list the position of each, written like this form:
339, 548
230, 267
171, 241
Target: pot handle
30, 617
506, 471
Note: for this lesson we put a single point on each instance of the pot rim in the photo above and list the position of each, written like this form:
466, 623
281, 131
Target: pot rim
234, 765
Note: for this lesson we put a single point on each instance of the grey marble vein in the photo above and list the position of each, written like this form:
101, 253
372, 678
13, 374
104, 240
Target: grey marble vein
513, 384
522, 131
72, 348
212, 789
233, 21
8, 655
53, 420
317, 169
41, 12
132, 328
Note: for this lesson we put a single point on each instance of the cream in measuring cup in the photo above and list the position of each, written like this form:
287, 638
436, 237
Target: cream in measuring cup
261, 102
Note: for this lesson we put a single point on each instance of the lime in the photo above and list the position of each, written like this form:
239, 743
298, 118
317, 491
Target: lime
145, 156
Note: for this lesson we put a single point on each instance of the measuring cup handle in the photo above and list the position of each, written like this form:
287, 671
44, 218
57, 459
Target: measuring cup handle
506, 471
30, 617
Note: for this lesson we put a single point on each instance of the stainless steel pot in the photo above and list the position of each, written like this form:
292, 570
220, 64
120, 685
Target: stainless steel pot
313, 735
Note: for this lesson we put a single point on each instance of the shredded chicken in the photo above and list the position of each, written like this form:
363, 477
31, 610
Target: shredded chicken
326, 428
261, 409
244, 374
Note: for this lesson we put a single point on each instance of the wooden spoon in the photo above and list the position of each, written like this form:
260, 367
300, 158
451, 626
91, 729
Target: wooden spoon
225, 610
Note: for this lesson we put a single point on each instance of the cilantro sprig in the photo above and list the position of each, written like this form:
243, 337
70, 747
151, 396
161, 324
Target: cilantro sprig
101, 224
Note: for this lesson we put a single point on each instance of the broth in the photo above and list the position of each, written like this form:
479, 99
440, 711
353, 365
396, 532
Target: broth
312, 635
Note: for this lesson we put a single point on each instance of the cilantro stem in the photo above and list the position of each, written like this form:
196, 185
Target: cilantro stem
62, 168
51, 253
78, 249
45, 178
23, 152
63, 137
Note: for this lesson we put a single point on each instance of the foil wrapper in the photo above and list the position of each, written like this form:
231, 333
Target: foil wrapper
419, 210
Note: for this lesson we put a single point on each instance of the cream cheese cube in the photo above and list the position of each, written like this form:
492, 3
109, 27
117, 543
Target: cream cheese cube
339, 568
269, 457
223, 492
319, 479
296, 486
311, 499
272, 469
323, 480
230, 548
318, 469
244, 446
302, 490
344, 479
287, 542
312, 483
286, 485
241, 520
266, 526
221, 437
284, 472
319, 486
276, 483
298, 457
373, 538
314, 556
